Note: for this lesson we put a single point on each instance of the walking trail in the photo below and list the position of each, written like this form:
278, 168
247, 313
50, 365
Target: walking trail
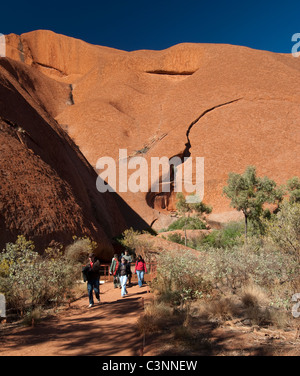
108, 329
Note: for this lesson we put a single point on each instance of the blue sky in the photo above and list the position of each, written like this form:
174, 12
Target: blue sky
158, 24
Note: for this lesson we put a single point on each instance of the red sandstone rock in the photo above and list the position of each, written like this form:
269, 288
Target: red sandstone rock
146, 101
47, 188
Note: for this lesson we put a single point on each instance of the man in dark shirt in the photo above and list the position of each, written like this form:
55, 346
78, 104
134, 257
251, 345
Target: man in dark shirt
91, 274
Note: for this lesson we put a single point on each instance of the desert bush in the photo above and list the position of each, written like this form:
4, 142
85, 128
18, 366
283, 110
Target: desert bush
155, 318
181, 275
283, 231
231, 268
33, 316
253, 295
219, 310
253, 282
293, 188
261, 315
79, 250
144, 247
136, 244
238, 266
196, 242
176, 238
31, 280
129, 239
280, 319
190, 223
228, 236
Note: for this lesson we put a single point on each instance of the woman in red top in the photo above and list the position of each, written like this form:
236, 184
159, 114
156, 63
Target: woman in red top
140, 269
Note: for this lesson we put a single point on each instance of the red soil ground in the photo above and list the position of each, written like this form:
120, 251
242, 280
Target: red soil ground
80, 331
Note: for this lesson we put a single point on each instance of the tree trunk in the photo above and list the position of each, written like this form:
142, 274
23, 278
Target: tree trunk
246, 227
185, 237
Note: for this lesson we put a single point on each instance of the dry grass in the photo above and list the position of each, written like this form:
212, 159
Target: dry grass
176, 325
79, 250
212, 327
80, 290
256, 308
254, 296
156, 317
33, 317
218, 310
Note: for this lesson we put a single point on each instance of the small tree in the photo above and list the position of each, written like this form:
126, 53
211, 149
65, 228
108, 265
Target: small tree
284, 229
136, 244
130, 239
184, 209
79, 250
293, 187
248, 193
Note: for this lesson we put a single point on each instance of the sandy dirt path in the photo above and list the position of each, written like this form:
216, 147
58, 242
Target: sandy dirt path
108, 329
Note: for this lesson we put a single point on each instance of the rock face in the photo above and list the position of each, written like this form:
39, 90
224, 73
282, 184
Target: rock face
232, 105
47, 188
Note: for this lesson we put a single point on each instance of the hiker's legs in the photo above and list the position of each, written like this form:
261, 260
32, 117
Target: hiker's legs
93, 285
129, 279
90, 292
97, 288
124, 291
123, 280
116, 281
140, 275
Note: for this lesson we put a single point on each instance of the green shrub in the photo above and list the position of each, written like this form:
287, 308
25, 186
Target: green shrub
181, 276
176, 238
227, 270
31, 280
284, 230
293, 187
229, 236
129, 239
79, 250
190, 223
136, 243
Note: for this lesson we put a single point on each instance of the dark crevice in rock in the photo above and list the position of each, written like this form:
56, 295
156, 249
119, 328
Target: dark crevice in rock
71, 97
186, 152
21, 50
164, 198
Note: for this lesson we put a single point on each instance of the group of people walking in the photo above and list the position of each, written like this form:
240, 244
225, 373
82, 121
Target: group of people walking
120, 269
